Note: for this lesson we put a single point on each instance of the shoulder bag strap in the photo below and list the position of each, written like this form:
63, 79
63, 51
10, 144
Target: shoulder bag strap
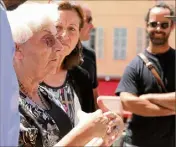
153, 70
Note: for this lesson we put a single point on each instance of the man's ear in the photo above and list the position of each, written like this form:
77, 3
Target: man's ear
18, 51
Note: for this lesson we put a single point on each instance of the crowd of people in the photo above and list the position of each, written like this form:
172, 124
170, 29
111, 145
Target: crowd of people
49, 85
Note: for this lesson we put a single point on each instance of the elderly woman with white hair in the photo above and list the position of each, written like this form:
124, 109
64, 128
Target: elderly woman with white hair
43, 120
37, 53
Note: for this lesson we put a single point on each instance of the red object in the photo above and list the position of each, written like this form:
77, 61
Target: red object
127, 114
107, 87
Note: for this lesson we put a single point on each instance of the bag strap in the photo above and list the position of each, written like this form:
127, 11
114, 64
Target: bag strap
151, 67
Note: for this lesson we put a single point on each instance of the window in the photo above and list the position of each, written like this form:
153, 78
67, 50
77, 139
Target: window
99, 42
120, 43
96, 41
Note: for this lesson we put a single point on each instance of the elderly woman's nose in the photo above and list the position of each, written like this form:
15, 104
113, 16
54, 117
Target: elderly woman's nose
58, 45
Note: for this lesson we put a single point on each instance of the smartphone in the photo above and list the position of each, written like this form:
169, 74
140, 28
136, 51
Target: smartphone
112, 103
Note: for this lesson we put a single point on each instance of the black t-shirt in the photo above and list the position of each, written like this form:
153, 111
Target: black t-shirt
138, 79
89, 64
80, 80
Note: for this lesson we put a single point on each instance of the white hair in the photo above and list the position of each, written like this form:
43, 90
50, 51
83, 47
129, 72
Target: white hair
30, 18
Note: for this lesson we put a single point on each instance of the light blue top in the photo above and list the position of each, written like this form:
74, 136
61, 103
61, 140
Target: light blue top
9, 114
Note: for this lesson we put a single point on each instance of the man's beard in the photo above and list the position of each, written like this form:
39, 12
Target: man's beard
158, 41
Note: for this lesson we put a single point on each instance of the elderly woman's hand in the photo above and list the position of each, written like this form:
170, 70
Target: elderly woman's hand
95, 124
94, 129
97, 141
112, 107
115, 128
108, 125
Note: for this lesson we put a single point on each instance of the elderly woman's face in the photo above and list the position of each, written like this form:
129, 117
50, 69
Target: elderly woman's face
40, 54
68, 30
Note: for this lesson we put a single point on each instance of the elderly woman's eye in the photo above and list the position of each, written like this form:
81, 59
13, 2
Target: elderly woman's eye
50, 41
58, 28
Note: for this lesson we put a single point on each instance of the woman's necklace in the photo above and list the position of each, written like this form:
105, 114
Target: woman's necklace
43, 101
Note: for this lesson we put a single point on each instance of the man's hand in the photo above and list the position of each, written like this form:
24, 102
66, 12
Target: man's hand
165, 100
142, 106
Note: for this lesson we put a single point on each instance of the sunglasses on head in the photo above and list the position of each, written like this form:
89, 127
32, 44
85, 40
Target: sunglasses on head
89, 19
163, 25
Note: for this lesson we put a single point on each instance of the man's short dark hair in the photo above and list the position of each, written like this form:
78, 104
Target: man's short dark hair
160, 5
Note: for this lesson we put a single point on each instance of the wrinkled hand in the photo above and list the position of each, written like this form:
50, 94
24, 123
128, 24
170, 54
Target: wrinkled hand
115, 128
108, 126
94, 123
97, 141
115, 125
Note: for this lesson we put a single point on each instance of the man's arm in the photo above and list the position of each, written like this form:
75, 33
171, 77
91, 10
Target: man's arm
142, 106
167, 100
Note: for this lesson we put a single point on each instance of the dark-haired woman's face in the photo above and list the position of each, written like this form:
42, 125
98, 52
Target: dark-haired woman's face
68, 30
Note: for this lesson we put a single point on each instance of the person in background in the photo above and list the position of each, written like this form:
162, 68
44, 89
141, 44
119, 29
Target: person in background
9, 114
152, 103
89, 57
66, 85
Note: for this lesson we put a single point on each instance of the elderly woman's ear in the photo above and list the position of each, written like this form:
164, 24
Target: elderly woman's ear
18, 52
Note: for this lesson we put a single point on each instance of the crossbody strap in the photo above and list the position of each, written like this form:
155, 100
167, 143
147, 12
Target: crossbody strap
151, 67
